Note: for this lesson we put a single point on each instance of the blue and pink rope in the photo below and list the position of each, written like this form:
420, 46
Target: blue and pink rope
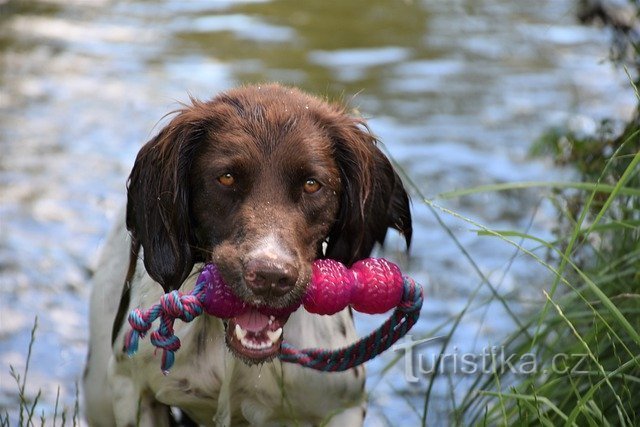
372, 278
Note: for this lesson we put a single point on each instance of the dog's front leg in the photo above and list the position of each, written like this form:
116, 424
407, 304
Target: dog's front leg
135, 407
223, 413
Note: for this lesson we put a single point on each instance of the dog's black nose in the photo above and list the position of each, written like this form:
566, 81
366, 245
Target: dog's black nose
267, 278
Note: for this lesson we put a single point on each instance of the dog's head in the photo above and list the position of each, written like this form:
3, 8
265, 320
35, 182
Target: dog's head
261, 181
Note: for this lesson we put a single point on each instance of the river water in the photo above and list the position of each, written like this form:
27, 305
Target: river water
457, 91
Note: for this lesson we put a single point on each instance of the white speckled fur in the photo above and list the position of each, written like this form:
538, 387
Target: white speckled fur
206, 381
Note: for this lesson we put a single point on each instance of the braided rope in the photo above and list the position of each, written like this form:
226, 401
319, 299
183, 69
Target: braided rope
187, 306
365, 349
173, 305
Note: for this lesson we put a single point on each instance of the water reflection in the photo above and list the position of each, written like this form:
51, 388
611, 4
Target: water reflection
457, 90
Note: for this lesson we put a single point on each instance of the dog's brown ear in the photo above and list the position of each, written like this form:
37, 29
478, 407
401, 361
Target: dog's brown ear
158, 198
373, 197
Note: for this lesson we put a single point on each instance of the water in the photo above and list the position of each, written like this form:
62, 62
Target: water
457, 90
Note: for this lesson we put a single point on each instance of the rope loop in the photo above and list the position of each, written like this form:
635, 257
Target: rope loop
186, 307
402, 319
173, 305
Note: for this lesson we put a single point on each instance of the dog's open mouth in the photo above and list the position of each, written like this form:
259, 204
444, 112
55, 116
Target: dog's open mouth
253, 333
255, 337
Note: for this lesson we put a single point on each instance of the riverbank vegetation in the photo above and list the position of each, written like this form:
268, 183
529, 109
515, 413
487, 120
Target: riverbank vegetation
587, 335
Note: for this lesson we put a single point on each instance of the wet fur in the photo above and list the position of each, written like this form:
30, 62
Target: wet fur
178, 216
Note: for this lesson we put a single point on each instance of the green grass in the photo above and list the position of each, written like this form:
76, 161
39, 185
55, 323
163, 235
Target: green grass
585, 337
29, 411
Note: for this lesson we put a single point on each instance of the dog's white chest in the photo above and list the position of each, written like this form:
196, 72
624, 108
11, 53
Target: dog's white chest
215, 388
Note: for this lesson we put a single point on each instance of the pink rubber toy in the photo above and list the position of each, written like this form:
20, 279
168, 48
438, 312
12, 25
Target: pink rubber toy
372, 286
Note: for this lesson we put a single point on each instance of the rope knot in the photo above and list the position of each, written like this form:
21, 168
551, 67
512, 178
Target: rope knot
177, 305
373, 274
173, 305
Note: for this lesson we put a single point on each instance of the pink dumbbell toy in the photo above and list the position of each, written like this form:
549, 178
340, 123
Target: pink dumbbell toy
372, 286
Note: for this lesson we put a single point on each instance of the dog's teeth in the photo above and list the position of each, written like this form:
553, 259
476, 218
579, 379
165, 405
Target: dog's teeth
274, 335
240, 333
255, 345
324, 248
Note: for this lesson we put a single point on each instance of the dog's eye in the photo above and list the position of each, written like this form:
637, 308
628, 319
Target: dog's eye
227, 179
311, 186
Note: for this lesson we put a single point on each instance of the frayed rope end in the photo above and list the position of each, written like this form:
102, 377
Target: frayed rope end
172, 306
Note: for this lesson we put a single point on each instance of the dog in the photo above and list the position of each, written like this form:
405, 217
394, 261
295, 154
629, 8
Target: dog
261, 181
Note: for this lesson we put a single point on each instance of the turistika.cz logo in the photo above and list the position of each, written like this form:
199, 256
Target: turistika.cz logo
492, 360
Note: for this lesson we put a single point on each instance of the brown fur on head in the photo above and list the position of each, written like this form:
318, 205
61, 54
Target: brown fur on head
233, 181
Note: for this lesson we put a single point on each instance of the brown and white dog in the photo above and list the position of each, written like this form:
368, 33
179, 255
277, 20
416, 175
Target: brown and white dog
261, 181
